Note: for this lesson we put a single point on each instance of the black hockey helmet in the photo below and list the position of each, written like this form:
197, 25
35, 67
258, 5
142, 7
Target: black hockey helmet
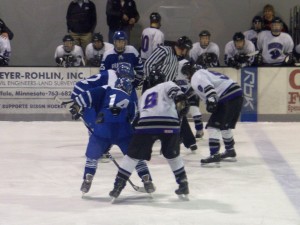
68, 38
155, 17
276, 20
156, 77
184, 43
257, 19
188, 69
238, 36
97, 37
204, 33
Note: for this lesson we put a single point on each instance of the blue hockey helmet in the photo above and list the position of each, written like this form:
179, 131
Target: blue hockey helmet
124, 84
156, 77
125, 69
120, 41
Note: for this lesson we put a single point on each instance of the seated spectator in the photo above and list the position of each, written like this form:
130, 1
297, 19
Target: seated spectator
6, 32
238, 52
268, 16
5, 49
94, 51
205, 52
68, 54
276, 46
256, 27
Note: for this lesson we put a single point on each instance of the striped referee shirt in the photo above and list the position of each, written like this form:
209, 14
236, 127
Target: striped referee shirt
163, 58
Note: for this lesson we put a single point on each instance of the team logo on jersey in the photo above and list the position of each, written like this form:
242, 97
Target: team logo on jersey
120, 58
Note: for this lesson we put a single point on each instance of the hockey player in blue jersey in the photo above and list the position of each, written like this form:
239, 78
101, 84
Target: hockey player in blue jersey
122, 53
114, 110
107, 77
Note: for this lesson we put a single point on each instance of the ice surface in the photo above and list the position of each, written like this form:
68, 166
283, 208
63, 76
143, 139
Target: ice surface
42, 163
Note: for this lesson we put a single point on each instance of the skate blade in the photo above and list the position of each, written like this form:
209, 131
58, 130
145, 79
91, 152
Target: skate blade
211, 165
113, 200
184, 197
229, 160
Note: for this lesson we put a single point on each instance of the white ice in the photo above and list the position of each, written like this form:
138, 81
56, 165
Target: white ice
42, 163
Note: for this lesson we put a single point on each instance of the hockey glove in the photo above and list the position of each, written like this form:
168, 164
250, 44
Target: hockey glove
182, 105
211, 104
241, 58
233, 63
289, 60
3, 61
76, 111
258, 59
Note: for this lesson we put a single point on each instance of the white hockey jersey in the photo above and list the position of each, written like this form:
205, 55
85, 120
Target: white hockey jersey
76, 52
91, 53
5, 48
274, 48
157, 109
151, 39
197, 50
251, 35
206, 83
230, 51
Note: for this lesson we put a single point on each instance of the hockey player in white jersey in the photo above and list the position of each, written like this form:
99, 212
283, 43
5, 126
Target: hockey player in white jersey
256, 28
152, 36
276, 46
68, 54
224, 99
94, 51
5, 48
159, 120
205, 52
238, 52
183, 82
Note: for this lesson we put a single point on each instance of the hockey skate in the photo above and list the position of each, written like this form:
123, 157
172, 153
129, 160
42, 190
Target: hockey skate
119, 185
183, 190
229, 155
216, 158
199, 134
148, 185
87, 183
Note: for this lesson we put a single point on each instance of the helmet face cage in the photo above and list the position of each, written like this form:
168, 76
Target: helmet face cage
276, 25
257, 23
125, 70
184, 43
120, 41
124, 84
156, 77
239, 40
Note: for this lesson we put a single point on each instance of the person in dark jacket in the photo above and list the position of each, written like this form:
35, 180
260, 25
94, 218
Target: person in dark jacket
5, 31
121, 15
81, 21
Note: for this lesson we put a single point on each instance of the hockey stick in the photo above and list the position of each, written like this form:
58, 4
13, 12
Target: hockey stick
252, 53
135, 187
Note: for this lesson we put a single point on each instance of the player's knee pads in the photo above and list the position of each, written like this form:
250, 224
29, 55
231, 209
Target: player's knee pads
176, 163
227, 134
213, 133
194, 111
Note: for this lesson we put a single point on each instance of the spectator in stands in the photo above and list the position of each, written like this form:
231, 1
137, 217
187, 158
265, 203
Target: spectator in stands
94, 50
5, 49
268, 16
5, 31
238, 52
81, 21
121, 15
276, 46
256, 27
68, 54
205, 52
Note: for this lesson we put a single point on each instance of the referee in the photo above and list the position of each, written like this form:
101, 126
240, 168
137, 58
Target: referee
166, 59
